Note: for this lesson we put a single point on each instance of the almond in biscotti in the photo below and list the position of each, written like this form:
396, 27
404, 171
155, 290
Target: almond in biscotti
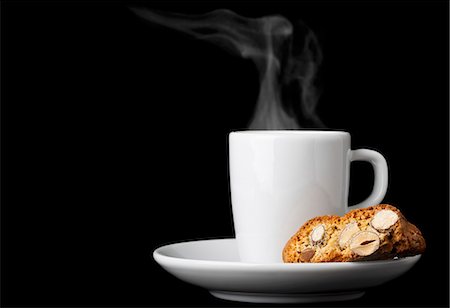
364, 243
347, 233
317, 235
307, 254
384, 219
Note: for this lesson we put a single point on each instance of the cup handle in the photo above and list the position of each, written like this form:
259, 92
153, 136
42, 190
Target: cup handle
380, 172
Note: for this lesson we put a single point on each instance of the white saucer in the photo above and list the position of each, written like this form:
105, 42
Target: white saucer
214, 265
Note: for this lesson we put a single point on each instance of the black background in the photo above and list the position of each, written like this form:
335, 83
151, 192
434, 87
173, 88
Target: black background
114, 140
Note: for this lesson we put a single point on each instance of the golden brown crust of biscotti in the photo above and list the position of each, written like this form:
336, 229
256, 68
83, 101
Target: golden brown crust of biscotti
339, 242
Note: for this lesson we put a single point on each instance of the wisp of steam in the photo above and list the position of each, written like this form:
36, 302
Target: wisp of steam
287, 62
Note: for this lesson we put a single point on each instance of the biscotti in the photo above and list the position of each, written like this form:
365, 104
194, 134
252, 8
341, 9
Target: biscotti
373, 233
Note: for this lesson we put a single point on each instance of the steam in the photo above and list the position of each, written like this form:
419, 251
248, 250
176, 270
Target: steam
287, 64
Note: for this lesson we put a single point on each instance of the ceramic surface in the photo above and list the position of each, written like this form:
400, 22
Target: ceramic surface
215, 266
280, 179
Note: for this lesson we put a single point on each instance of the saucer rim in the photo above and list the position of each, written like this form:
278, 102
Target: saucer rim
161, 258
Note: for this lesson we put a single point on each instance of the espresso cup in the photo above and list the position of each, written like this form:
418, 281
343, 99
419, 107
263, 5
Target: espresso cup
279, 179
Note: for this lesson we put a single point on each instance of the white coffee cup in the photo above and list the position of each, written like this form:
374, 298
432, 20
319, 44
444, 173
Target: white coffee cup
279, 179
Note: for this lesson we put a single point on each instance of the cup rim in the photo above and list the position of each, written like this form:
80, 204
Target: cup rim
287, 132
